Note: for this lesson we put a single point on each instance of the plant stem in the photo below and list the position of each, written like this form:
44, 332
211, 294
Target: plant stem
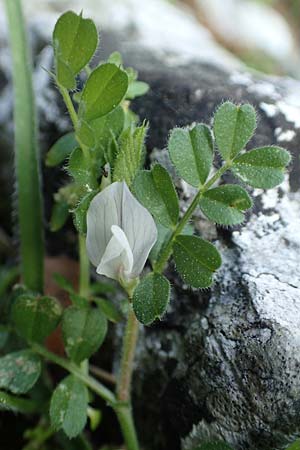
128, 352
103, 374
89, 381
73, 115
84, 275
167, 251
124, 412
126, 422
69, 104
30, 214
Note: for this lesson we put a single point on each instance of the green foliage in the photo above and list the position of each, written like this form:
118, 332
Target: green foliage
196, 260
136, 89
59, 216
225, 204
155, 190
106, 129
63, 283
19, 371
151, 298
79, 167
74, 40
130, 154
68, 407
262, 167
103, 91
85, 134
36, 317
234, 125
191, 151
9, 402
84, 330
81, 210
110, 311
61, 149
8, 275
27, 162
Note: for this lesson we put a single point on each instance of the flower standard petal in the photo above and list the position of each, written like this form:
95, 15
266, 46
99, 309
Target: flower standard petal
115, 205
140, 229
117, 261
104, 211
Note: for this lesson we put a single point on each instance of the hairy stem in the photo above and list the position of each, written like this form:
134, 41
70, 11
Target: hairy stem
128, 353
84, 276
167, 251
125, 418
124, 412
74, 118
30, 214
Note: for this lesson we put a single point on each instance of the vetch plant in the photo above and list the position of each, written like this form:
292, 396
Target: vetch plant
123, 214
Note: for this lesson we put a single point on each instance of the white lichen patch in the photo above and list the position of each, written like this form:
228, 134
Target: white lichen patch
284, 136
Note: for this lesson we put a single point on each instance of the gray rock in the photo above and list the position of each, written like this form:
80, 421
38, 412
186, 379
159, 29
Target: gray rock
223, 362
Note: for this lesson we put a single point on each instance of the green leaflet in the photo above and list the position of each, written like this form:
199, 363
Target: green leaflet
234, 125
155, 190
68, 407
80, 212
36, 317
79, 167
61, 149
196, 260
59, 216
151, 298
225, 204
103, 91
74, 40
84, 330
262, 167
19, 371
108, 308
191, 151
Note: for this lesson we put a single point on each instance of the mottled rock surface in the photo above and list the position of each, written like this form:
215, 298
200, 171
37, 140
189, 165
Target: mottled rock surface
224, 362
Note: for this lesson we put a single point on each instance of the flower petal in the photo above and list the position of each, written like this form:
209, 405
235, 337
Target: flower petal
140, 229
115, 205
117, 260
104, 211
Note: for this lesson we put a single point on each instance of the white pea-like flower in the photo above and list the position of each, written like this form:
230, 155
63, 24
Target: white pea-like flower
120, 233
